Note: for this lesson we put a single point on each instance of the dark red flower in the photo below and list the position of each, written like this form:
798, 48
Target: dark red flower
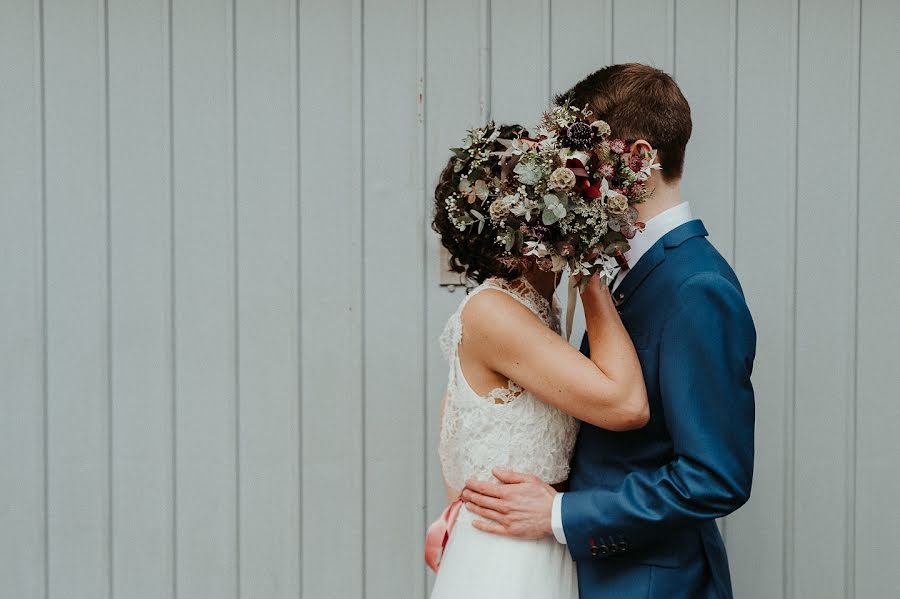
576, 166
592, 192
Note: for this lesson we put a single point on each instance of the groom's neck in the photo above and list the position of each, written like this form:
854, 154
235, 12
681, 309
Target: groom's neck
665, 196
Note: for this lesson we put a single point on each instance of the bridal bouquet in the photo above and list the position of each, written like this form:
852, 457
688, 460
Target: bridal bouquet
563, 199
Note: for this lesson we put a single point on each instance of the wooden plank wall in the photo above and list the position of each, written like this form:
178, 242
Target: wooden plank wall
220, 307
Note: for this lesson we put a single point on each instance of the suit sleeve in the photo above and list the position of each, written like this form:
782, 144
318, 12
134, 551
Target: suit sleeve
707, 348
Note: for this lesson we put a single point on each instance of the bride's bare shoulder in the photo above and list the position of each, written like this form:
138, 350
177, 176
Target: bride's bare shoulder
494, 313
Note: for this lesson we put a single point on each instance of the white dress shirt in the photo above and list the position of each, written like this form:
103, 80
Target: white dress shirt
655, 229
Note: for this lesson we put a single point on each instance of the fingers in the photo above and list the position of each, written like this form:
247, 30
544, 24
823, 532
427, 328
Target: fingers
508, 476
485, 488
489, 527
498, 505
487, 514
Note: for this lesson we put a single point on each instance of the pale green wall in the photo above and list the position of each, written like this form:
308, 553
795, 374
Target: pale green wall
219, 309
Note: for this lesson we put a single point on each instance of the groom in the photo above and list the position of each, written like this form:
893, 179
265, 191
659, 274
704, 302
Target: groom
639, 518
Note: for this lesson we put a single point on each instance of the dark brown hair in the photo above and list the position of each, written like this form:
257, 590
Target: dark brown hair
639, 102
476, 255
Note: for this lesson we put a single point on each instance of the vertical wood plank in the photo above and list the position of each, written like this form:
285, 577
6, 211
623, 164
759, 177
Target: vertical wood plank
141, 315
826, 248
581, 40
393, 287
644, 31
520, 61
205, 383
77, 292
877, 379
331, 357
22, 509
707, 79
451, 106
766, 143
267, 300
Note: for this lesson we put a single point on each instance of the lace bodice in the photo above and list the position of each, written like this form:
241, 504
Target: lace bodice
509, 427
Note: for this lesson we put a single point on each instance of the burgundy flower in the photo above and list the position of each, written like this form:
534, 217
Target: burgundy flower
590, 189
617, 146
580, 135
635, 163
607, 170
577, 167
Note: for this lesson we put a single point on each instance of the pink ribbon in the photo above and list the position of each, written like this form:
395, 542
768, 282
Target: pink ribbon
439, 533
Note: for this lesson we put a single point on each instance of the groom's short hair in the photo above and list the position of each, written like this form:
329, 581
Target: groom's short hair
639, 102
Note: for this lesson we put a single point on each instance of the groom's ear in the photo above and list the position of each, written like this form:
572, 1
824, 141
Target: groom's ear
640, 147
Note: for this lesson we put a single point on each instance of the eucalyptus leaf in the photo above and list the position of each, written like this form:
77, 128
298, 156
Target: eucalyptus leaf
549, 216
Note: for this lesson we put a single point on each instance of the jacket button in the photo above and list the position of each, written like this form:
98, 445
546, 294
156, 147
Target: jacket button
594, 550
604, 549
623, 546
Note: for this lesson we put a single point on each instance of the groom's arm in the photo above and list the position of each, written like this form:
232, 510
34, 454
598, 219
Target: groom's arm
706, 357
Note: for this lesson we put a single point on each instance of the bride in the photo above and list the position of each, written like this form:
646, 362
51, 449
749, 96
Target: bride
516, 392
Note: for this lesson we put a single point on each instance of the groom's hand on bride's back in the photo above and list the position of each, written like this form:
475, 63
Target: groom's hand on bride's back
519, 506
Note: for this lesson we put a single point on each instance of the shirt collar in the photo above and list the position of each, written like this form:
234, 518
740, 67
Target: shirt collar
655, 229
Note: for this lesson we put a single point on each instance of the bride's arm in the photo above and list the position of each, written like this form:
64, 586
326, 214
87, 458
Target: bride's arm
606, 390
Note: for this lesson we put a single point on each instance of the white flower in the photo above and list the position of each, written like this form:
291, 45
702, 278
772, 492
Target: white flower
567, 153
604, 189
517, 146
536, 248
524, 208
603, 127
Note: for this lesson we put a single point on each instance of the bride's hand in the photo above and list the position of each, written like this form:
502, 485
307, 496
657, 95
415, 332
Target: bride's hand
595, 290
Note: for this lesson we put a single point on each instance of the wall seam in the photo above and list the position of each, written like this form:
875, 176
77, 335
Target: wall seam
547, 41
485, 55
852, 437
45, 392
673, 33
612, 31
104, 6
421, 67
788, 540
236, 290
173, 338
299, 308
360, 61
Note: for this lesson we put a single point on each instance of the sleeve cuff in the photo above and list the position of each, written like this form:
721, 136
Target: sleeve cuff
556, 522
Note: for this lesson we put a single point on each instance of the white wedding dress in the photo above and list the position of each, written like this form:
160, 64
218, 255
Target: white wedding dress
508, 428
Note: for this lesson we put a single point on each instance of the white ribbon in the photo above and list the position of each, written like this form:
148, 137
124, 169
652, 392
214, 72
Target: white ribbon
570, 306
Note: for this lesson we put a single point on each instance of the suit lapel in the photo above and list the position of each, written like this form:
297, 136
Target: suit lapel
649, 261
655, 256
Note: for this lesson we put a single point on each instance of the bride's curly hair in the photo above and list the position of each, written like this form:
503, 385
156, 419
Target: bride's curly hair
476, 255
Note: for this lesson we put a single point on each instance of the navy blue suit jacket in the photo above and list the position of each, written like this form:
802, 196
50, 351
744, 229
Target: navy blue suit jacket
640, 516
